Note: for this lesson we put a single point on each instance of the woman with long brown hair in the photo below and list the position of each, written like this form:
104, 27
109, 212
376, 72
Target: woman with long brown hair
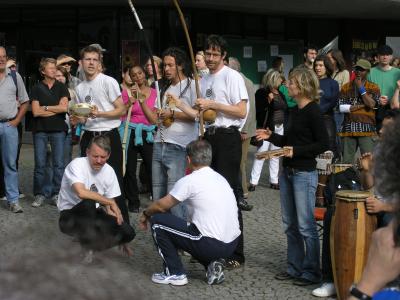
140, 135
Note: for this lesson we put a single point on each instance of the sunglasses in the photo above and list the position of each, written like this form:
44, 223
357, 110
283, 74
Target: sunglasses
359, 69
69, 63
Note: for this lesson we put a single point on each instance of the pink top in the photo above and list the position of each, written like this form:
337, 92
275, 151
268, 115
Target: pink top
137, 115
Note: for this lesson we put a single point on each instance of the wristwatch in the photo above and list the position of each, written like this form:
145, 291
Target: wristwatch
355, 292
46, 108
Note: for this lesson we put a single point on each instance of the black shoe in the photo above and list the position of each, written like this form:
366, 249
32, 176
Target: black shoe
284, 276
274, 186
244, 205
231, 264
251, 187
303, 282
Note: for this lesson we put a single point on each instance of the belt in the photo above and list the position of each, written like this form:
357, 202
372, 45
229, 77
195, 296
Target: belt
7, 120
98, 133
213, 130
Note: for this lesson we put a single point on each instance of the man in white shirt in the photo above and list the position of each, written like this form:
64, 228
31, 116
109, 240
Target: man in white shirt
89, 182
169, 163
104, 94
213, 231
224, 91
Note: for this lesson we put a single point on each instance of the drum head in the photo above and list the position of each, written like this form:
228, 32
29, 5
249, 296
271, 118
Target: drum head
81, 109
350, 195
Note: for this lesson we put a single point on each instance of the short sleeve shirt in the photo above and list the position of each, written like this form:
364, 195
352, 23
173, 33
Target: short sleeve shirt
227, 87
49, 97
104, 182
8, 95
102, 91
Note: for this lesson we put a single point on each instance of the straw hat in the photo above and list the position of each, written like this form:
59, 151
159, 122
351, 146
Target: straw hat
65, 59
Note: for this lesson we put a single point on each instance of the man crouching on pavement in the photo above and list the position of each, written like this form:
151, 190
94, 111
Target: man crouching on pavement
213, 231
88, 211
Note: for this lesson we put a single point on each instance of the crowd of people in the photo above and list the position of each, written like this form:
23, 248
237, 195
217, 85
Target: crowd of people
320, 110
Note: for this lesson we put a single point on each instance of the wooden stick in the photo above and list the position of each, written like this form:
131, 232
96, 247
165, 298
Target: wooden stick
125, 137
195, 74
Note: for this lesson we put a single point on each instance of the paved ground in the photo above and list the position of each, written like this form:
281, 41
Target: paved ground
39, 260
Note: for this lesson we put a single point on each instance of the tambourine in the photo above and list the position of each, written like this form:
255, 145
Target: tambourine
81, 109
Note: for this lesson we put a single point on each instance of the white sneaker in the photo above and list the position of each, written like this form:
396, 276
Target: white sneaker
215, 273
172, 279
15, 207
21, 195
39, 200
4, 198
327, 289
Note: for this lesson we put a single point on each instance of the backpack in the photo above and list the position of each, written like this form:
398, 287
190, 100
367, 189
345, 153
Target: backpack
14, 78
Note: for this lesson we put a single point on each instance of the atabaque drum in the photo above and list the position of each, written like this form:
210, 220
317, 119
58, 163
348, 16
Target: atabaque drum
350, 237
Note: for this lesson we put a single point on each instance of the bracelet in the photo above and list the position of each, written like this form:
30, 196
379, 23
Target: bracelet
362, 90
355, 292
146, 214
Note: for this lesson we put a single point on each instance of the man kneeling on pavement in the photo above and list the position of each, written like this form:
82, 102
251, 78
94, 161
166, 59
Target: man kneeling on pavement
213, 231
86, 202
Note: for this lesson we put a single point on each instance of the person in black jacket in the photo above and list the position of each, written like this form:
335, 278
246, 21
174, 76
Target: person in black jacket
272, 108
304, 138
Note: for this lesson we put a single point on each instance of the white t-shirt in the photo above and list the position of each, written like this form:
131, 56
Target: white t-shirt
211, 204
102, 91
226, 87
104, 182
180, 132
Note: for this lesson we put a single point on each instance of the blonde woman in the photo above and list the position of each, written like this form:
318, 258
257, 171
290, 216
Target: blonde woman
201, 64
273, 118
305, 137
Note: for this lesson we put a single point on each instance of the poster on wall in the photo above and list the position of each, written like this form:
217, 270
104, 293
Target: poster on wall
394, 42
130, 53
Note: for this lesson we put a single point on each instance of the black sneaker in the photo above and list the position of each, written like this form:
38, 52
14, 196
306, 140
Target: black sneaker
303, 282
251, 187
284, 276
244, 205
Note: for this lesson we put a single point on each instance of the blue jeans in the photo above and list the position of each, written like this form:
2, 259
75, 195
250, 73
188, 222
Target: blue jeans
40, 140
9, 151
169, 165
297, 189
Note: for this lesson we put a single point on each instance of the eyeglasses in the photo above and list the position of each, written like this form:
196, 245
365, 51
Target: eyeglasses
209, 54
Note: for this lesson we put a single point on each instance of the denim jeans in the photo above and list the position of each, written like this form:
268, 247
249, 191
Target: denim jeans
297, 189
169, 165
40, 140
9, 150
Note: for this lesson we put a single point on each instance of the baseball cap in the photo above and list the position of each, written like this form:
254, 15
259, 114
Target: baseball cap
385, 50
363, 63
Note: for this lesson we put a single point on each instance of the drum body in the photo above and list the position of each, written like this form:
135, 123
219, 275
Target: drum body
350, 237
336, 168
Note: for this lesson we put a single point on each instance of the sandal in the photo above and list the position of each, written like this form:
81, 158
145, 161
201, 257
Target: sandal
232, 264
